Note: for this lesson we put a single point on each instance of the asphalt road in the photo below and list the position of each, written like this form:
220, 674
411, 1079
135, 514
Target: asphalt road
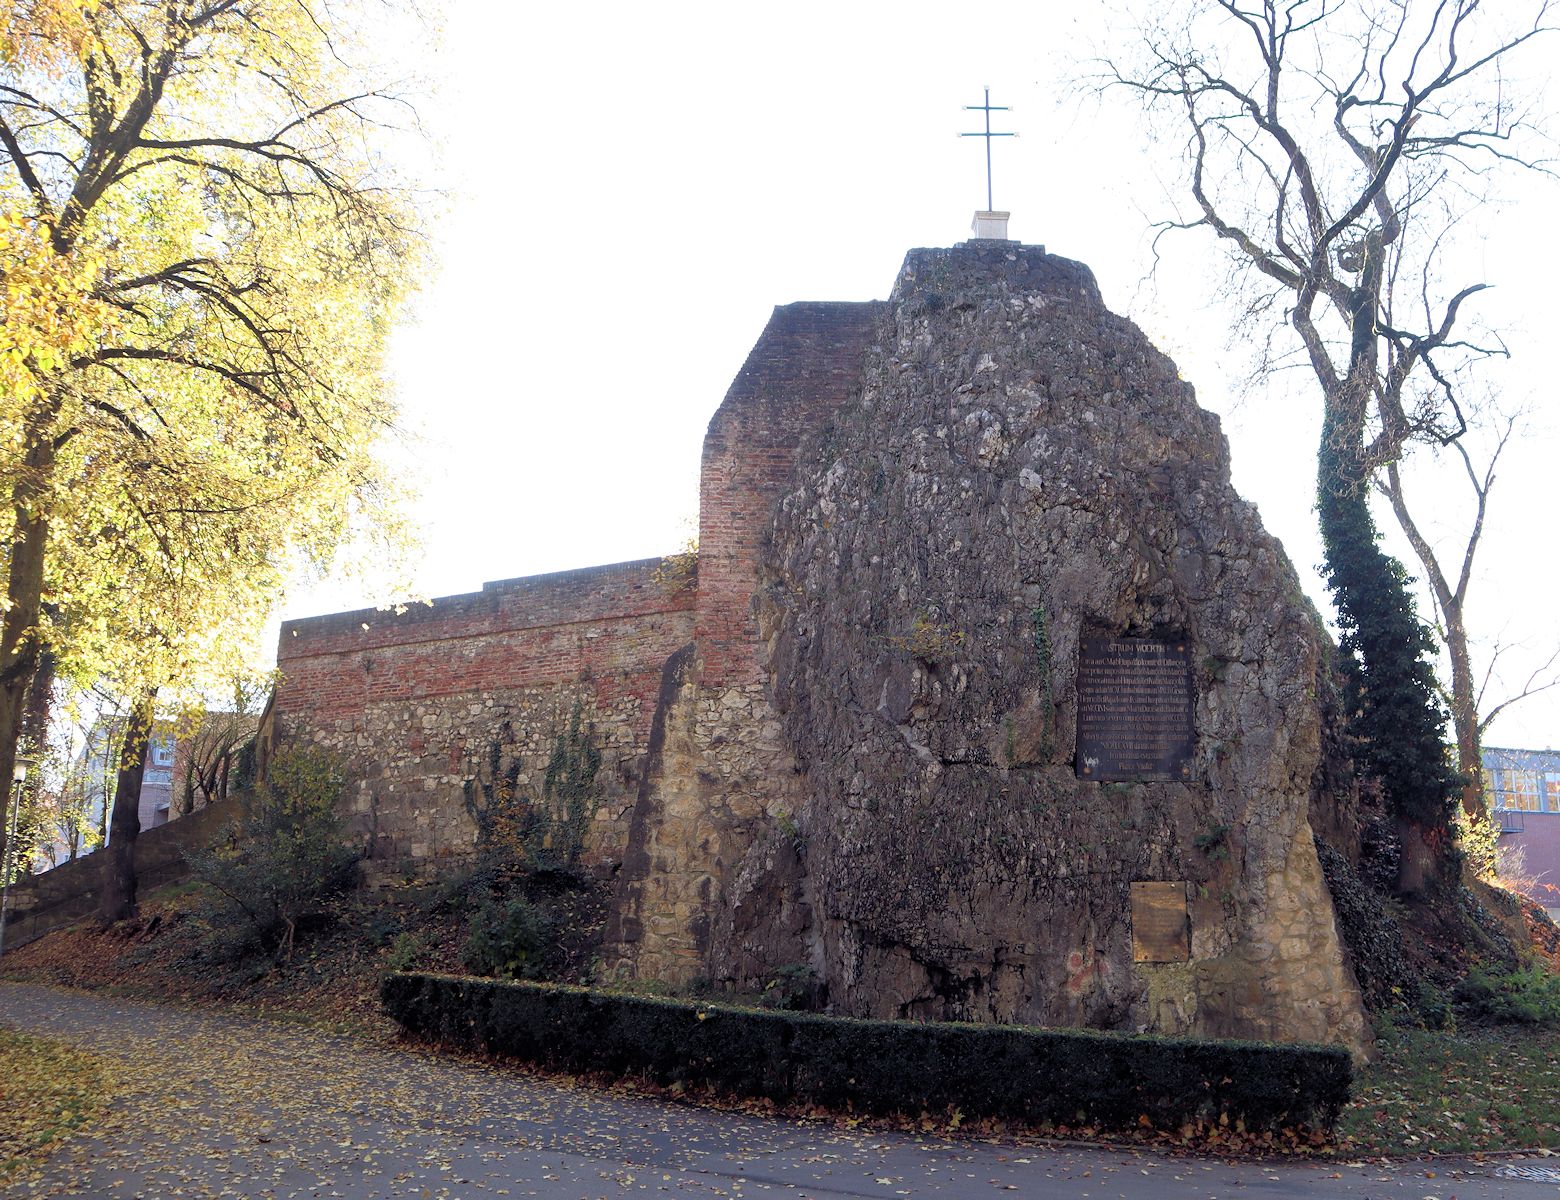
221, 1105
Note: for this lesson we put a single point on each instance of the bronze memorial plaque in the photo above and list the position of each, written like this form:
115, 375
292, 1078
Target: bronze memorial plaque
1161, 929
1134, 709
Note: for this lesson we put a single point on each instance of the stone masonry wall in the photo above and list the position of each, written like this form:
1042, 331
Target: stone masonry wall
65, 894
850, 745
418, 701
721, 767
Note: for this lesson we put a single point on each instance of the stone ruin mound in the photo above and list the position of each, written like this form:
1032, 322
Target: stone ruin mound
1021, 483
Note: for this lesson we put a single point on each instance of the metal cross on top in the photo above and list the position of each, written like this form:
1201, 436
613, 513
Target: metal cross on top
988, 108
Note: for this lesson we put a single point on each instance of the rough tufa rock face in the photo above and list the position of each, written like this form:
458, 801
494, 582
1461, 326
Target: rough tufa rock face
1022, 469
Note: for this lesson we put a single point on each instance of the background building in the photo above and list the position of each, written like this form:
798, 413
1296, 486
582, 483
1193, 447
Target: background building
1523, 789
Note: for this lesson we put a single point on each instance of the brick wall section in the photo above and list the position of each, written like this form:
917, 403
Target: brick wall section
806, 364
614, 621
723, 769
416, 700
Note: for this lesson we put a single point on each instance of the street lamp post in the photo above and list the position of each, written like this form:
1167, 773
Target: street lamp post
13, 812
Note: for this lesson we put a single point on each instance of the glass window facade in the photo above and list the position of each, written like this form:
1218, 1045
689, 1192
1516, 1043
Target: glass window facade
1519, 790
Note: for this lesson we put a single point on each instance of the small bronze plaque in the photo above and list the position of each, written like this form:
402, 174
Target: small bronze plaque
1161, 929
1134, 709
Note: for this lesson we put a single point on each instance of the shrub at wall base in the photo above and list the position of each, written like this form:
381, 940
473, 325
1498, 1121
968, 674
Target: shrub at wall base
286, 854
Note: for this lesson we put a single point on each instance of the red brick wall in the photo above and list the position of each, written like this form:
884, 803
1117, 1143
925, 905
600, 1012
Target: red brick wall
806, 364
614, 625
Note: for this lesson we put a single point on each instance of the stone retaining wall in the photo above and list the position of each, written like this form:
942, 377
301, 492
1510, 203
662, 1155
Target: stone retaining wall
68, 893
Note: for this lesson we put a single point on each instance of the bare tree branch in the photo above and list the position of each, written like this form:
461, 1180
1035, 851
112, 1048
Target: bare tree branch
1532, 687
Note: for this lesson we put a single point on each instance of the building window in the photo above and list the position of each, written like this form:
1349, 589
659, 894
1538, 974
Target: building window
1518, 790
162, 752
1552, 791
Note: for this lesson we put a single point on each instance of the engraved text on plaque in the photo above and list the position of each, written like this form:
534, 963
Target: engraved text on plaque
1134, 709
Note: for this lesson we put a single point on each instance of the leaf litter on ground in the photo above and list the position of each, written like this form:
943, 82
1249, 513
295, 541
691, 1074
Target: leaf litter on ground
1429, 1092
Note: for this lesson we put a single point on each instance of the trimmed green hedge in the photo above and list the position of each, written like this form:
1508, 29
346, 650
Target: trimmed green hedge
1062, 1077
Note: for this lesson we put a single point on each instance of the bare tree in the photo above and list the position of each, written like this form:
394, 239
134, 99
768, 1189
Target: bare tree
1332, 148
72, 812
1448, 576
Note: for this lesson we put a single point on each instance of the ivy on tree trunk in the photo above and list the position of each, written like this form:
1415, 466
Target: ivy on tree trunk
1333, 149
1394, 708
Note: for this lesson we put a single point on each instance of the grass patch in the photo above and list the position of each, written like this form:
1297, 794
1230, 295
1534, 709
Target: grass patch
1457, 1093
48, 1090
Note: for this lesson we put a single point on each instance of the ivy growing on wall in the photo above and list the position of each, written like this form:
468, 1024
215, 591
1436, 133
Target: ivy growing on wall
520, 831
533, 913
1042, 645
569, 789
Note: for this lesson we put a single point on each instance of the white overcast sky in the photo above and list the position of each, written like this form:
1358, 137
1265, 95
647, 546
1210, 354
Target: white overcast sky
632, 187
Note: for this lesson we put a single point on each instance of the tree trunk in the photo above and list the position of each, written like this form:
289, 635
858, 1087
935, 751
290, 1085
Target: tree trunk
117, 899
1419, 866
1465, 720
33, 743
38, 706
20, 645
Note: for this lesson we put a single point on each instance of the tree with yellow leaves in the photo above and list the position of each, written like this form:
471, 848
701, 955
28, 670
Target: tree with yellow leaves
202, 253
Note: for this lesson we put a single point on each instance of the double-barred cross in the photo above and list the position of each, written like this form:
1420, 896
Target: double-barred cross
988, 108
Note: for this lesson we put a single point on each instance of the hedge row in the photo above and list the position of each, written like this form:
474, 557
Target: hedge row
1060, 1077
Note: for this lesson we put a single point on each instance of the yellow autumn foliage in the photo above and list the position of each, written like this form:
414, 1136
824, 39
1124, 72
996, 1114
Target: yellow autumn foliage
203, 251
45, 35
48, 309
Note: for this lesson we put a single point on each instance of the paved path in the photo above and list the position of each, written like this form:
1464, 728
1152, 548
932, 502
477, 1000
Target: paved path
219, 1105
